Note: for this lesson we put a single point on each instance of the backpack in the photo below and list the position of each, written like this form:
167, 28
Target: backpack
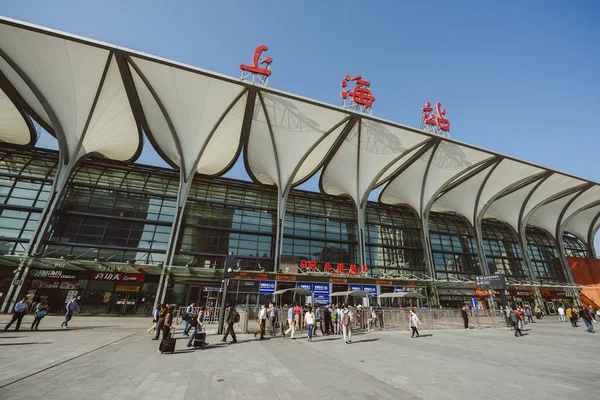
185, 316
346, 319
236, 317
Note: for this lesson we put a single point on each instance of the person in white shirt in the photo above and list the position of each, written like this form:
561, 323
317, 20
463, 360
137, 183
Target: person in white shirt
309, 322
561, 314
414, 323
347, 318
262, 322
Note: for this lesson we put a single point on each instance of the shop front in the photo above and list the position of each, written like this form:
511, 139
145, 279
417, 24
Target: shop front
55, 287
555, 298
457, 298
522, 298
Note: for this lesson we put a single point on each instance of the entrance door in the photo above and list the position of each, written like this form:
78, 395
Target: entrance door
122, 303
551, 307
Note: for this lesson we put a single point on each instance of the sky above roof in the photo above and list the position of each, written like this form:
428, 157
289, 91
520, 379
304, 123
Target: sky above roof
519, 78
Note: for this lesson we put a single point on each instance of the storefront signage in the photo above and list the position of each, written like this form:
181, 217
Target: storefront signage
70, 285
213, 289
267, 287
520, 293
50, 274
333, 269
381, 282
398, 289
126, 288
338, 280
111, 276
290, 278
320, 288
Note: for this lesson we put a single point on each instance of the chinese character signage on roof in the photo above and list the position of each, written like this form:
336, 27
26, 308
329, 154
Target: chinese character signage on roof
360, 98
333, 269
256, 71
435, 122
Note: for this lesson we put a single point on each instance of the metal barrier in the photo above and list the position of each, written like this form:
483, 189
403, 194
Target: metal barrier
211, 315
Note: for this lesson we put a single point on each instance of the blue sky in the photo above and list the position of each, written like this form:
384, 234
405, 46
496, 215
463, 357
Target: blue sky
520, 78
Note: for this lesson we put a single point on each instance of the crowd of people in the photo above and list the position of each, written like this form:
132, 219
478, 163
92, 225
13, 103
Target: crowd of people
39, 309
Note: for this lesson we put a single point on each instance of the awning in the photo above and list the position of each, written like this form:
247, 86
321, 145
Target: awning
300, 291
405, 295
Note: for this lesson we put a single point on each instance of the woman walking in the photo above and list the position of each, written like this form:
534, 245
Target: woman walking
309, 322
41, 309
414, 323
166, 328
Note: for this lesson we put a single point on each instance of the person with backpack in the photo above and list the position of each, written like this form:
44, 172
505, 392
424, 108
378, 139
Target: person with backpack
71, 306
196, 323
231, 318
414, 323
187, 316
41, 309
516, 322
346, 323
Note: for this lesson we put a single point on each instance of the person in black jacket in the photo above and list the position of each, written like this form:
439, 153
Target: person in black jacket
465, 316
231, 318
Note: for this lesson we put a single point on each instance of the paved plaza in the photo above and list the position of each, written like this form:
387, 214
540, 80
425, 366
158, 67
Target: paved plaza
114, 358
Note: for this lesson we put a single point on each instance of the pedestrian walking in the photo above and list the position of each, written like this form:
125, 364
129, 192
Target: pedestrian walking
19, 312
529, 315
561, 314
569, 313
231, 318
273, 318
71, 306
414, 323
161, 321
592, 312
187, 316
346, 324
575, 315
290, 319
521, 316
297, 314
309, 322
334, 319
262, 322
465, 316
196, 323
514, 319
326, 317
41, 309
166, 328
338, 317
588, 320
155, 314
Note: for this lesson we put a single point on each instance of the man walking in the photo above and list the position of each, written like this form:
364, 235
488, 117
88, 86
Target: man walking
561, 314
515, 320
587, 319
262, 322
290, 319
231, 318
188, 317
19, 312
273, 318
71, 306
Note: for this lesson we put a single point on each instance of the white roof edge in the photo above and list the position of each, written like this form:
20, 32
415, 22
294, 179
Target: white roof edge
109, 46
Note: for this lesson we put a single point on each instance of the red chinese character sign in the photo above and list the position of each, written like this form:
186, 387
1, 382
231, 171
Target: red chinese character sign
259, 70
435, 122
360, 98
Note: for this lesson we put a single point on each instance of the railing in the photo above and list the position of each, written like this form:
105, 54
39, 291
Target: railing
211, 315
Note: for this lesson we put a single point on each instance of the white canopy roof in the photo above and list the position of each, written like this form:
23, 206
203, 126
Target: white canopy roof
97, 98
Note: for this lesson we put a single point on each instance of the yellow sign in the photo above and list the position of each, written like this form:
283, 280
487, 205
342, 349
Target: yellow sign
126, 288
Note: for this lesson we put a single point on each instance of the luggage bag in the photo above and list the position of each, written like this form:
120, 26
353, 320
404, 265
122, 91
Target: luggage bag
200, 340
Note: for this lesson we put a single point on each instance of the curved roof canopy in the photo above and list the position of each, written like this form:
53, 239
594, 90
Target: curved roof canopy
96, 98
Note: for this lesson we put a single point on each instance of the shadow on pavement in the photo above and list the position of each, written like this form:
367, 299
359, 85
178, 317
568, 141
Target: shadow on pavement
79, 328
367, 340
12, 337
23, 344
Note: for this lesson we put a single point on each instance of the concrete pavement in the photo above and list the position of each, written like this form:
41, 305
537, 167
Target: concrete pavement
114, 358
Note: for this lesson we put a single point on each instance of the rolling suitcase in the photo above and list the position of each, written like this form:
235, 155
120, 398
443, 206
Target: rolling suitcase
200, 340
168, 344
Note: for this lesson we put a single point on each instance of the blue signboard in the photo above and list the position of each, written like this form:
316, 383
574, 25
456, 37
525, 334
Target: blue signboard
370, 289
267, 287
307, 286
355, 287
399, 289
321, 299
321, 288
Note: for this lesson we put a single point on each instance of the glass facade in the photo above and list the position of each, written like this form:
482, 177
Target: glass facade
320, 228
502, 250
543, 254
223, 216
574, 247
116, 213
393, 239
26, 178
453, 247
